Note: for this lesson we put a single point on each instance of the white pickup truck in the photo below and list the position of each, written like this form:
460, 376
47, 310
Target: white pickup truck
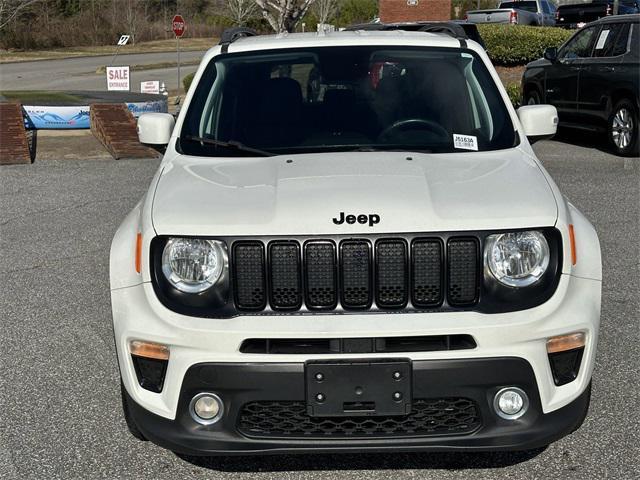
527, 12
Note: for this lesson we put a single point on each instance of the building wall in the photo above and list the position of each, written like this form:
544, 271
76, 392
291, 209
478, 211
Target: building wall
414, 10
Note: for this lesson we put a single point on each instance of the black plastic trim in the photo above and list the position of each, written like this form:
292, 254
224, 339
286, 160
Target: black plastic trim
270, 247
369, 303
308, 302
407, 277
478, 379
234, 275
306, 346
412, 286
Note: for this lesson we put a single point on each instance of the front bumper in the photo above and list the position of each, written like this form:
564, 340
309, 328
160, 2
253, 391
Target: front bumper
138, 315
476, 380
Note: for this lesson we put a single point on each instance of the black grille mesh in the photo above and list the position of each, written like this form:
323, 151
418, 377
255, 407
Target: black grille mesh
326, 277
320, 271
356, 274
463, 271
284, 259
248, 274
426, 271
290, 419
391, 273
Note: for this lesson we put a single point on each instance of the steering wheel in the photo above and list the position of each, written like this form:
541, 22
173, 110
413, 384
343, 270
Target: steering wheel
420, 123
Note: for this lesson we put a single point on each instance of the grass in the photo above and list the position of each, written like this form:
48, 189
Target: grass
186, 44
38, 96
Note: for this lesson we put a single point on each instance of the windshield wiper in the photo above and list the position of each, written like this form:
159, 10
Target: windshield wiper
230, 144
391, 148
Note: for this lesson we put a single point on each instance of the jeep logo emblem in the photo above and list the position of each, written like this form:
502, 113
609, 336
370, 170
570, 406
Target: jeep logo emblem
372, 219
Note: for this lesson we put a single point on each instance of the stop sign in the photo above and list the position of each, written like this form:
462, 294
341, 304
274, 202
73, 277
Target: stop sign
178, 26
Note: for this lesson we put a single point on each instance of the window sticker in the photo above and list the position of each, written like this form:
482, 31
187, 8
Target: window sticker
465, 142
602, 39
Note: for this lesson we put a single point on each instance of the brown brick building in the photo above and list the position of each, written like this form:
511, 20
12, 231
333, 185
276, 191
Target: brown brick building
414, 10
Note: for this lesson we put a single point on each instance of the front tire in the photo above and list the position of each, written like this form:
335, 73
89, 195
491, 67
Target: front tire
131, 424
622, 128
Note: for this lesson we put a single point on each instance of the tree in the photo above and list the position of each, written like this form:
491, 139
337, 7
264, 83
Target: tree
240, 11
325, 10
283, 15
10, 8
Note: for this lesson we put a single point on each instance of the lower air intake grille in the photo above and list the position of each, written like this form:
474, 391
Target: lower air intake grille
463, 271
290, 419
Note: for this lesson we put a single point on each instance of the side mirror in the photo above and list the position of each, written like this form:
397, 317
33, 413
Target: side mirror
551, 54
154, 129
539, 122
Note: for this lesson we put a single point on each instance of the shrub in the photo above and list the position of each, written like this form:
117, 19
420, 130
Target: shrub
511, 45
186, 81
515, 93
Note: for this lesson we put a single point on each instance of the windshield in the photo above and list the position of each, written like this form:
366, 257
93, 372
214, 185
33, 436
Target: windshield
346, 99
529, 6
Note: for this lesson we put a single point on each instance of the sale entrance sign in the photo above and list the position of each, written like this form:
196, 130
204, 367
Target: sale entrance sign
118, 79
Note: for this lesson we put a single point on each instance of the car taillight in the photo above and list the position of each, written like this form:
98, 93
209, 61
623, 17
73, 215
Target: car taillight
514, 17
557, 15
466, 17
609, 9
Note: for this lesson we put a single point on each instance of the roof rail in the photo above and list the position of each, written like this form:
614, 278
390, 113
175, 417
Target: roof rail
453, 29
230, 35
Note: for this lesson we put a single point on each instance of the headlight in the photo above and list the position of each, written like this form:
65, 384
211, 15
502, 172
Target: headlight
192, 265
517, 259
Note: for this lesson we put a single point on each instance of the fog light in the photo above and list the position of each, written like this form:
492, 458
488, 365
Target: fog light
206, 408
511, 403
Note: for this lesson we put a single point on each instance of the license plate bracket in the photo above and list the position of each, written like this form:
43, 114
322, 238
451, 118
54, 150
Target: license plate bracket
358, 388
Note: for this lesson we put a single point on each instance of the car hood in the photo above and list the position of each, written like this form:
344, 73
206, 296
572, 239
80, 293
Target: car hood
302, 194
541, 62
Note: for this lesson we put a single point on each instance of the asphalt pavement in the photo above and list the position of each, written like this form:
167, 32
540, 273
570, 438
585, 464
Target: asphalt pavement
79, 73
60, 414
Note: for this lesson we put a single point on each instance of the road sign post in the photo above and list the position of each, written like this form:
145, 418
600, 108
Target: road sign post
178, 26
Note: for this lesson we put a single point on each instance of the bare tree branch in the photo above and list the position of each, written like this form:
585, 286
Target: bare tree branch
240, 11
284, 15
10, 8
325, 10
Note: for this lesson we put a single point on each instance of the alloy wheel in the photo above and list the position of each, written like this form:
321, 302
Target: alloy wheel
622, 128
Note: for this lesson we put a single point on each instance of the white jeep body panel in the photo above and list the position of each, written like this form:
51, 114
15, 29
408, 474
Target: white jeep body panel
301, 194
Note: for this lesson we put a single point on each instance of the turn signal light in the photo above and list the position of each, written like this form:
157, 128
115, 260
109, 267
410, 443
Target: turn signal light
139, 252
572, 240
563, 343
149, 350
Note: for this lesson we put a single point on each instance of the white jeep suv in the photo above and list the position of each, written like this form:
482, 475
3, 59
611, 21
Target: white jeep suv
350, 246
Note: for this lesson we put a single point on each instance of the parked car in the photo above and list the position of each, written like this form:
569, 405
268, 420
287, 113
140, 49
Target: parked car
577, 15
526, 12
384, 267
593, 80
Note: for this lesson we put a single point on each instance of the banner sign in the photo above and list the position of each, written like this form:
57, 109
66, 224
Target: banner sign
45, 117
152, 86
57, 118
138, 108
118, 79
